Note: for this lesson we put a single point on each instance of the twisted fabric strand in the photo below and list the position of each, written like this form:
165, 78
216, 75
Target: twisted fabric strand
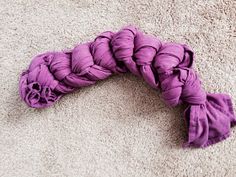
167, 66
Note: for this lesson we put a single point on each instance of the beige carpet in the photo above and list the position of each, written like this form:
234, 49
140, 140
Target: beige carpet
120, 126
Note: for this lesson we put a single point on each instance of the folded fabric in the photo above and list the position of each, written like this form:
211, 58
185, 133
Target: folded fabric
163, 65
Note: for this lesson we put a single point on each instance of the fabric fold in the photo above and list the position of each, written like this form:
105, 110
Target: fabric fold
209, 123
163, 65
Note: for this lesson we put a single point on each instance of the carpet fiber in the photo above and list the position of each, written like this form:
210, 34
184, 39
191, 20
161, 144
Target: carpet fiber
120, 126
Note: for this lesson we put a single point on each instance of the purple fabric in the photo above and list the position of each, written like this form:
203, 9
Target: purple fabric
167, 66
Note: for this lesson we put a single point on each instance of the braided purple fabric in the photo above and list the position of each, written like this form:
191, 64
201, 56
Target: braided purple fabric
167, 66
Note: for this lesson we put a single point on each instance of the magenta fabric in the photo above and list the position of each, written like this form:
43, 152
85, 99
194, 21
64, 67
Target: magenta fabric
165, 66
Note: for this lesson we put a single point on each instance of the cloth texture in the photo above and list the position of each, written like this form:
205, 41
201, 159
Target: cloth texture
119, 126
168, 65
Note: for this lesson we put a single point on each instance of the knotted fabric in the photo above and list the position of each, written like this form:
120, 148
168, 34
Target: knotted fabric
164, 66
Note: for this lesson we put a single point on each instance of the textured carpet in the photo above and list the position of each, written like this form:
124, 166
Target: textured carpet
120, 126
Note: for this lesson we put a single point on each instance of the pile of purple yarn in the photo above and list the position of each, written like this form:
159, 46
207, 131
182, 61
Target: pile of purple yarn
164, 66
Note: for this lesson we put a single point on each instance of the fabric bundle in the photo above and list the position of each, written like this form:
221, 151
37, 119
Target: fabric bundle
165, 66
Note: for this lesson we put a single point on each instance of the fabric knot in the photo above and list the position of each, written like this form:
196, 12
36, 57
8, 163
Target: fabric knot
169, 56
38, 85
60, 65
146, 48
85, 71
122, 44
82, 59
103, 55
192, 92
182, 85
